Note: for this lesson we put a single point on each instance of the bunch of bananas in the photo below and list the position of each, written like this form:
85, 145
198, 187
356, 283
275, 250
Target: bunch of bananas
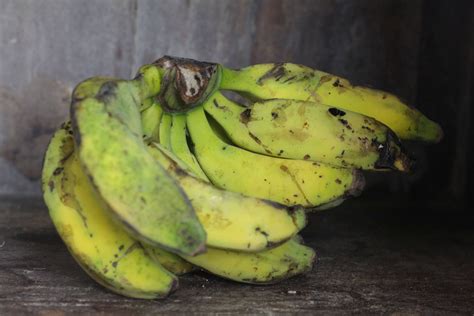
156, 176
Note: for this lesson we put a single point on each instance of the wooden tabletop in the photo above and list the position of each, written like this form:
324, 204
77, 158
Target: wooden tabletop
371, 259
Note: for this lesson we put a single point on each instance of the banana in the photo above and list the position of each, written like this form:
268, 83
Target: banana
168, 260
179, 146
139, 193
100, 246
165, 130
266, 267
310, 131
286, 181
297, 82
150, 119
232, 220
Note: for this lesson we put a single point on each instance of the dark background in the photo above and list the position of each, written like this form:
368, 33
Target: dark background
419, 50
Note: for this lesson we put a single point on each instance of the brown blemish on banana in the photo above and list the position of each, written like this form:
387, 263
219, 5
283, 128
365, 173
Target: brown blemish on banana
107, 91
222, 107
295, 181
259, 142
129, 250
255, 138
289, 79
337, 83
246, 116
277, 72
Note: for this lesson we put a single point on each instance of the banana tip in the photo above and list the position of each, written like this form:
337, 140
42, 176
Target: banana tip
358, 184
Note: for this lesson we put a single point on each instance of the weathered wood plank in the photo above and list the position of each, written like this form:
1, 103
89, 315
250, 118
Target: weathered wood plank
209, 30
46, 48
371, 259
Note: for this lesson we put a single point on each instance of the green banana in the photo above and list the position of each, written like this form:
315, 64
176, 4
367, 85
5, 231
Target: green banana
139, 193
310, 131
165, 130
297, 82
150, 119
179, 146
100, 246
232, 220
266, 267
289, 182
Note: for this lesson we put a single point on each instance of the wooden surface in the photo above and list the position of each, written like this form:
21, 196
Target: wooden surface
372, 258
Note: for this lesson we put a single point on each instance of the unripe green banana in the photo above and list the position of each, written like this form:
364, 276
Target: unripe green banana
309, 131
297, 82
266, 267
232, 220
100, 246
165, 130
286, 181
179, 146
139, 193
150, 118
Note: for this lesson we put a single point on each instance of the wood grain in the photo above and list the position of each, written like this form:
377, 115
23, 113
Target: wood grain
372, 259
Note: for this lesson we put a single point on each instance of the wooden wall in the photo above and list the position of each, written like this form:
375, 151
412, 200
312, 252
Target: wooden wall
420, 50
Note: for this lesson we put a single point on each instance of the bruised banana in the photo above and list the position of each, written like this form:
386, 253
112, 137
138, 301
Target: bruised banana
101, 247
232, 220
297, 82
309, 131
107, 129
286, 181
266, 267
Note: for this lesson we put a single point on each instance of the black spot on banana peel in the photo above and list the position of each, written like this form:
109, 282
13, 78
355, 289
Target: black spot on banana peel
106, 122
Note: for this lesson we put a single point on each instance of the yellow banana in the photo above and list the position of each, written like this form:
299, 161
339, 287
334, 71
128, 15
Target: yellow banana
168, 260
286, 181
310, 131
100, 246
291, 81
266, 267
139, 193
232, 220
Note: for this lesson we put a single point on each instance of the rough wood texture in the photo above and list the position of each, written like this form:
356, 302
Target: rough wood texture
373, 259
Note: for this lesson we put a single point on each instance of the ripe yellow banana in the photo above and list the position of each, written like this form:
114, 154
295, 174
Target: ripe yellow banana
232, 220
297, 82
100, 246
140, 194
286, 181
168, 260
266, 267
309, 131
